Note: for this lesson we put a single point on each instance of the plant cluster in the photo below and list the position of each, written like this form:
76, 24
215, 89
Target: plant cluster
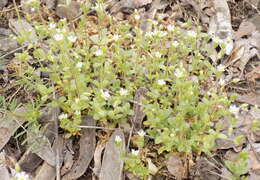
97, 72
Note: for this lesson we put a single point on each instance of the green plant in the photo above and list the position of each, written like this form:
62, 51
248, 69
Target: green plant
98, 71
239, 166
134, 164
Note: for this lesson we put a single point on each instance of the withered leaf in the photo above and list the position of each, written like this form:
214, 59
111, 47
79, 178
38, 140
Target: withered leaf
112, 164
86, 152
175, 166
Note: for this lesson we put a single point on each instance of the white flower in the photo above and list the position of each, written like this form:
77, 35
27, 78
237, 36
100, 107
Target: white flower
115, 37
58, 37
222, 82
63, 116
161, 33
175, 44
157, 54
221, 68
77, 100
192, 33
149, 34
135, 152
172, 135
137, 16
123, 92
141, 133
155, 22
52, 25
58, 30
105, 94
79, 64
118, 139
170, 27
72, 38
129, 35
77, 112
30, 1
22, 176
32, 9
234, 109
99, 52
178, 73
161, 82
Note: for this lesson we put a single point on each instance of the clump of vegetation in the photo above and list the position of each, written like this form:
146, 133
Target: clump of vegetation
97, 72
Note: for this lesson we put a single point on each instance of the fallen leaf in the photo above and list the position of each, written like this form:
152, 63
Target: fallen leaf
29, 161
151, 166
245, 29
86, 152
3, 3
220, 25
97, 159
112, 164
68, 11
47, 171
9, 124
253, 75
139, 115
251, 98
42, 143
146, 24
235, 55
140, 3
175, 166
21, 26
255, 40
68, 157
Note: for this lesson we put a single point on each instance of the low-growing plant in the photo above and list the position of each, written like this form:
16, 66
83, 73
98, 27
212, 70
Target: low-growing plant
96, 68
239, 166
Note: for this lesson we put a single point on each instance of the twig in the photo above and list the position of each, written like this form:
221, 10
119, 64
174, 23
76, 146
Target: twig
253, 6
96, 127
13, 51
212, 164
218, 175
14, 8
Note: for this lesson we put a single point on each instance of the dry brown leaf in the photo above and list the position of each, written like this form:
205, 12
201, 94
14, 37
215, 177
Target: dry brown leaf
255, 40
236, 54
68, 157
245, 29
86, 152
112, 164
21, 26
139, 115
220, 25
70, 11
47, 171
254, 153
175, 166
9, 125
44, 140
253, 75
97, 159
146, 24
140, 3
151, 166
250, 98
